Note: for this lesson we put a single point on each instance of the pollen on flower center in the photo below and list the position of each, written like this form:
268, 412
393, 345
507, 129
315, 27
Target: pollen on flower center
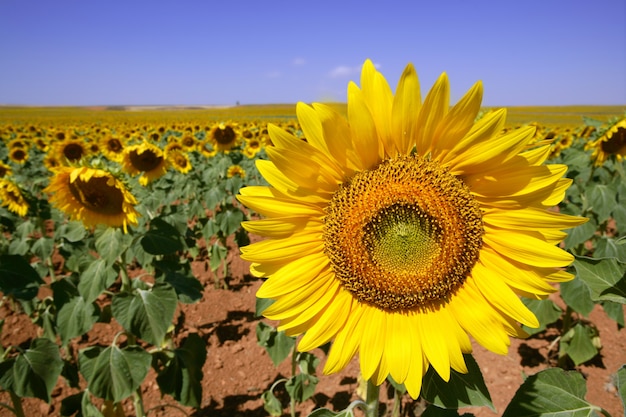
403, 235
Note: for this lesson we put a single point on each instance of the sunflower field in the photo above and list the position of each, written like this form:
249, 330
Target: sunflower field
102, 212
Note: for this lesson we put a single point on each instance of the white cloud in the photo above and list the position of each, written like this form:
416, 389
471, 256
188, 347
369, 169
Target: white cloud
343, 71
298, 62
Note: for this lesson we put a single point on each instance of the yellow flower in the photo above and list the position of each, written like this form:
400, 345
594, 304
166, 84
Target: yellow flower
92, 196
12, 198
611, 142
235, 171
5, 170
179, 160
70, 150
405, 229
146, 159
224, 136
112, 147
18, 155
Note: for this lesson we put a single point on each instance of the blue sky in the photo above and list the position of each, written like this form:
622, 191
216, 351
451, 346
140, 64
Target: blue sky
183, 52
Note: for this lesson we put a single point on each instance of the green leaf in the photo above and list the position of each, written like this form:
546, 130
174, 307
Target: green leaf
181, 378
580, 234
79, 403
162, 238
577, 343
217, 254
552, 392
95, 279
43, 247
146, 313
18, 278
607, 247
602, 199
271, 404
606, 278
277, 344
461, 390
577, 295
188, 288
75, 316
113, 373
621, 384
615, 311
261, 305
434, 411
111, 243
73, 231
35, 372
229, 220
301, 387
546, 311
619, 214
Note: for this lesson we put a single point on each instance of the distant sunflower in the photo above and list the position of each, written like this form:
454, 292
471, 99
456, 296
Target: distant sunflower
12, 198
51, 161
235, 171
405, 229
18, 155
146, 159
92, 196
70, 150
5, 170
112, 147
611, 143
224, 136
207, 149
179, 160
188, 141
253, 147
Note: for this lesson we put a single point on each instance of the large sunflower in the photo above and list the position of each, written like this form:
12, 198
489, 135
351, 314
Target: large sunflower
611, 142
405, 229
93, 196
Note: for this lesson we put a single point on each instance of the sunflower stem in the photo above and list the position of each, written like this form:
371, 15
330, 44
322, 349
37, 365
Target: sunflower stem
17, 404
372, 399
294, 363
138, 403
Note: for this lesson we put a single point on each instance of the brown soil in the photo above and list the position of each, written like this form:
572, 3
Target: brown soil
237, 370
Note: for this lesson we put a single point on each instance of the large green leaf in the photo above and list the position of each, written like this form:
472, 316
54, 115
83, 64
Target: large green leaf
580, 234
602, 199
75, 316
18, 278
146, 313
621, 384
43, 247
577, 295
608, 247
301, 387
113, 373
461, 390
605, 278
73, 231
552, 392
98, 276
181, 378
111, 243
33, 373
229, 220
162, 238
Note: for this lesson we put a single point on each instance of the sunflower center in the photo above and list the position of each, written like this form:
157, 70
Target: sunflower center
145, 161
73, 151
225, 135
404, 235
97, 195
616, 144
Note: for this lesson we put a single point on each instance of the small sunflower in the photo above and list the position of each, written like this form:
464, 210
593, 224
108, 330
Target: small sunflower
405, 229
12, 198
146, 159
18, 155
112, 147
253, 147
207, 149
179, 160
611, 143
92, 196
235, 171
224, 136
5, 170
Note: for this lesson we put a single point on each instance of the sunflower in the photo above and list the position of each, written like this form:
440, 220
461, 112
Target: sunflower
224, 136
12, 198
611, 142
207, 149
405, 229
5, 170
179, 160
253, 146
93, 196
70, 150
235, 171
146, 159
112, 147
18, 155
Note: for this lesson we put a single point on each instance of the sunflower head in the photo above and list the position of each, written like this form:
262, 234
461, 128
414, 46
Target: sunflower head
179, 160
610, 144
235, 171
93, 196
112, 147
5, 170
224, 136
404, 229
18, 155
70, 150
12, 198
146, 159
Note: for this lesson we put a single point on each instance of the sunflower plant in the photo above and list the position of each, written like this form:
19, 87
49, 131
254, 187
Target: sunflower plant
403, 230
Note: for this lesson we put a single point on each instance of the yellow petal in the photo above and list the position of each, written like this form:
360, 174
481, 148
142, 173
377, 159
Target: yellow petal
363, 129
432, 113
294, 275
379, 99
406, 106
